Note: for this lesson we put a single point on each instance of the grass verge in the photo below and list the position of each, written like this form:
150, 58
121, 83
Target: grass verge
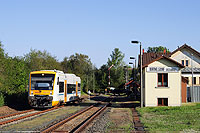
183, 118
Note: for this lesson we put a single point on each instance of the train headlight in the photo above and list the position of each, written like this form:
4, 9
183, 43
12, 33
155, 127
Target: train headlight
31, 92
51, 93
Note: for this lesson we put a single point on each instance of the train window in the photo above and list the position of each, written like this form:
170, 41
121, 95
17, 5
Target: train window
70, 88
61, 87
79, 87
58, 81
42, 82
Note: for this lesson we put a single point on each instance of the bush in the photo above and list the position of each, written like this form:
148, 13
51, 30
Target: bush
1, 100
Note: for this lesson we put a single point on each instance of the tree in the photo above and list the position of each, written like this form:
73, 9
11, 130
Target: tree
38, 60
116, 72
102, 77
80, 65
2, 61
15, 76
159, 49
116, 58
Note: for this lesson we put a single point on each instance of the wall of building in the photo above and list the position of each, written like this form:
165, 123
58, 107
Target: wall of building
172, 92
189, 76
185, 54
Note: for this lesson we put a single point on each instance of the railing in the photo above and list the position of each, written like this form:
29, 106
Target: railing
193, 94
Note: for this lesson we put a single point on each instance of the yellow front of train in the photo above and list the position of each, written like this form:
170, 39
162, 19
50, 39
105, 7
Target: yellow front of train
41, 86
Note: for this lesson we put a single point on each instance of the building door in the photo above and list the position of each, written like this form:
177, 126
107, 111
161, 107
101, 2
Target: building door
162, 101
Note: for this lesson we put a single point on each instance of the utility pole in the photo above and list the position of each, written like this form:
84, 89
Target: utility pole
93, 81
192, 97
141, 79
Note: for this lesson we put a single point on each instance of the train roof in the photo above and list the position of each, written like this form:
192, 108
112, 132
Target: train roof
51, 71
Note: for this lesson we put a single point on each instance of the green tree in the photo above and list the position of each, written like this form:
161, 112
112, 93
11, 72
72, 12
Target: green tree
15, 76
116, 72
116, 58
159, 49
2, 61
102, 77
80, 65
38, 60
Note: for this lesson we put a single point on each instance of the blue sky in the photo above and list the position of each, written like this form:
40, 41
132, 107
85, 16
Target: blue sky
96, 27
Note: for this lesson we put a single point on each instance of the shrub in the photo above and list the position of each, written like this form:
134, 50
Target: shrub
1, 100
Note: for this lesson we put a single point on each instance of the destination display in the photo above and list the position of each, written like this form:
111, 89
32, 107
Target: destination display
162, 69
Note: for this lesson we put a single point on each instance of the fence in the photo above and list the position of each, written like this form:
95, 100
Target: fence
193, 94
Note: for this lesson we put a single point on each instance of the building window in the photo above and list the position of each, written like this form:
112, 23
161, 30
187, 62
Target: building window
182, 62
194, 80
186, 63
187, 80
162, 101
162, 79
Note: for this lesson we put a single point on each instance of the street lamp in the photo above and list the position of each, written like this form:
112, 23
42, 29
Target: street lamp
126, 75
192, 97
132, 75
141, 84
131, 62
133, 59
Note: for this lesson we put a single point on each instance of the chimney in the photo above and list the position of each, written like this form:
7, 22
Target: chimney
164, 51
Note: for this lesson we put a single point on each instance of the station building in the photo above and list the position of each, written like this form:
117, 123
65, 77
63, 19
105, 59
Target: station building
162, 80
167, 77
190, 58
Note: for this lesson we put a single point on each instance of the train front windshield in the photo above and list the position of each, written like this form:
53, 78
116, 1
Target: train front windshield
42, 81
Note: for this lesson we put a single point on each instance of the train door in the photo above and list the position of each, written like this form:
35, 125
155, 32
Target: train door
61, 89
65, 91
76, 88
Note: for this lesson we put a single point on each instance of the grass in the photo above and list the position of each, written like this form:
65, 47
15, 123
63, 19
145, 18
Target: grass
183, 118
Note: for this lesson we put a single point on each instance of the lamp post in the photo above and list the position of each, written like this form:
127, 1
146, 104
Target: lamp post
141, 84
192, 97
133, 58
133, 71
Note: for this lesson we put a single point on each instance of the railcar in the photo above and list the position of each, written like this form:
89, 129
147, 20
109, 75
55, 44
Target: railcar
49, 88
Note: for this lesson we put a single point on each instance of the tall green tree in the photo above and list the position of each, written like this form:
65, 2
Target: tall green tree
116, 72
116, 58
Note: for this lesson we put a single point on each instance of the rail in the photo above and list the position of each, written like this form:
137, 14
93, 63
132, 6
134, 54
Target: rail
26, 116
82, 125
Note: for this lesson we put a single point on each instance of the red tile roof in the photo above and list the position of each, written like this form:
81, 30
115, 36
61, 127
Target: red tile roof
164, 57
149, 57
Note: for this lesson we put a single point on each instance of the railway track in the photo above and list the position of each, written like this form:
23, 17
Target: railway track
22, 115
77, 122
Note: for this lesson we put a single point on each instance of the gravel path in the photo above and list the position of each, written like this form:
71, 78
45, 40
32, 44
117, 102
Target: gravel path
100, 124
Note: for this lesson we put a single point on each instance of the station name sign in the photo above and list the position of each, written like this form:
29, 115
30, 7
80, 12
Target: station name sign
162, 69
